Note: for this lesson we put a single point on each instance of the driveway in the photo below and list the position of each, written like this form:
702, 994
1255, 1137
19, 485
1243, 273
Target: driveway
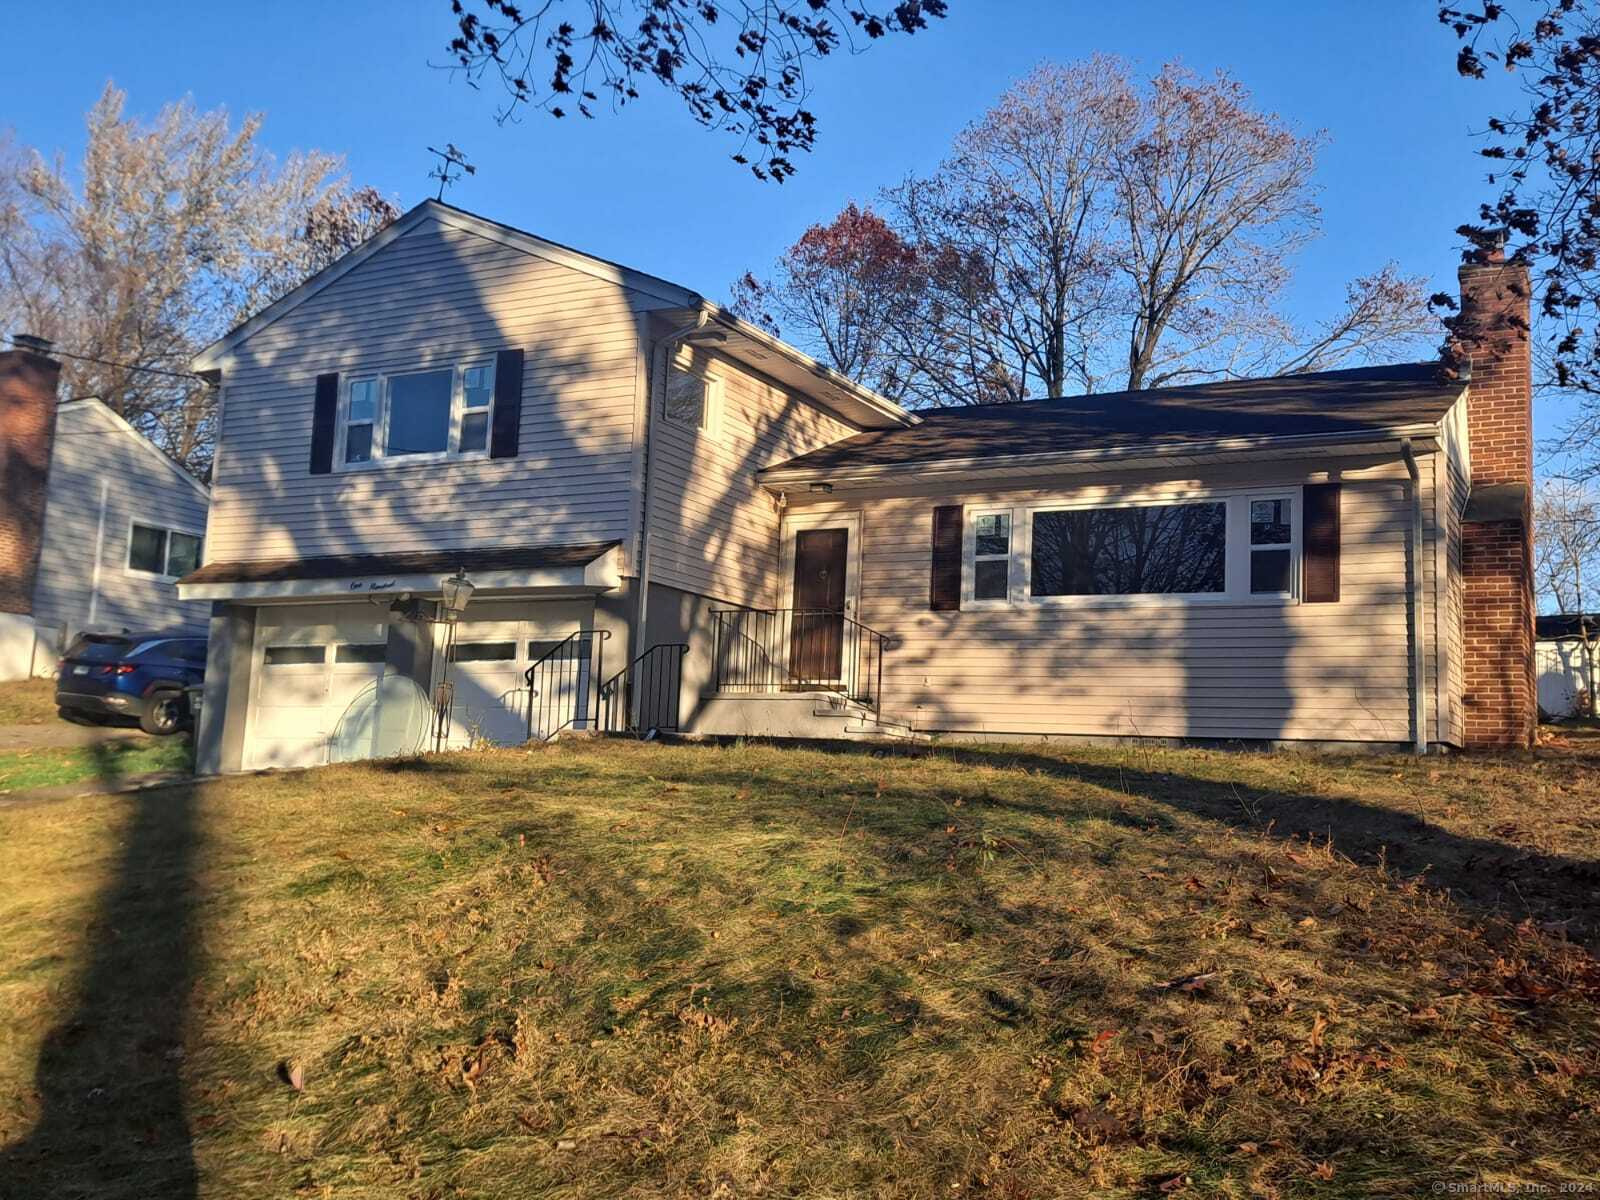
54, 734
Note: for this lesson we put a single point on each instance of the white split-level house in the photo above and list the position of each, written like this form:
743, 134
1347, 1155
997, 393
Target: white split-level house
97, 523
671, 519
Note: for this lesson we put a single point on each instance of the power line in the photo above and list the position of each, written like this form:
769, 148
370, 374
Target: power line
106, 362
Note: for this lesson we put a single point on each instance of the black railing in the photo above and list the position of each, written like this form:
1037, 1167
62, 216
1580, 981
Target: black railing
797, 649
644, 695
563, 684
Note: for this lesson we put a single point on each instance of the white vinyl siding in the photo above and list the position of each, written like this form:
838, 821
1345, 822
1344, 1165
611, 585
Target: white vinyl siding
714, 528
1287, 670
96, 454
436, 297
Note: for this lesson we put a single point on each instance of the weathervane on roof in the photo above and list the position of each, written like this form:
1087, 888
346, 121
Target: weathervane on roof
452, 162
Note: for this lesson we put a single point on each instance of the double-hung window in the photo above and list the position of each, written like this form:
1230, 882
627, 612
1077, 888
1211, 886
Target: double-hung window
442, 412
991, 556
1272, 546
165, 553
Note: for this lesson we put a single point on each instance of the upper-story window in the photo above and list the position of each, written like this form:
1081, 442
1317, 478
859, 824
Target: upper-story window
689, 399
418, 415
166, 553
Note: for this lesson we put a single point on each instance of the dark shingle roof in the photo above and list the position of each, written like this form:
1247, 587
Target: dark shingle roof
1559, 626
432, 562
1365, 400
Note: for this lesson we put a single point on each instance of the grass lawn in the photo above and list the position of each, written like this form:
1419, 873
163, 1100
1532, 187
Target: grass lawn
28, 702
615, 969
113, 760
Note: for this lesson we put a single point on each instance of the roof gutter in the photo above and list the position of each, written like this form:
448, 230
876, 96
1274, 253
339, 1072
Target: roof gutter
781, 474
1419, 705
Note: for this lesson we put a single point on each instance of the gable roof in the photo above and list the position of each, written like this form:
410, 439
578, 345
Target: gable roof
149, 449
785, 362
1350, 405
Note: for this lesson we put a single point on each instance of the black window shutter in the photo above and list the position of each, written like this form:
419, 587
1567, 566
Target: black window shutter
507, 404
944, 590
324, 424
1321, 569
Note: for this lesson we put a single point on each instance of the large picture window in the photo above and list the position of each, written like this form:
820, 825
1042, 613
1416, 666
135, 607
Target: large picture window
442, 412
1225, 547
1167, 549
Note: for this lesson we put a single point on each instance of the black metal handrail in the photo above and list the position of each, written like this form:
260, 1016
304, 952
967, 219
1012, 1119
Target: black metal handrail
644, 695
563, 683
798, 649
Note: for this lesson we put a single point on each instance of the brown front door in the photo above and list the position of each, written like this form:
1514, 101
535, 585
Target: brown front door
817, 643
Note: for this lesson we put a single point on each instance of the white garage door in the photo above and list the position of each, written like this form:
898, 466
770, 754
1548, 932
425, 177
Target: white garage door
307, 673
488, 675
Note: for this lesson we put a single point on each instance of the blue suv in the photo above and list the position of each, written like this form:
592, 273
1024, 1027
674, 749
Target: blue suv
138, 675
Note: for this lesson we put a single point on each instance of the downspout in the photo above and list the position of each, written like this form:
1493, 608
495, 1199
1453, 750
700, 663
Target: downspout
655, 400
1419, 700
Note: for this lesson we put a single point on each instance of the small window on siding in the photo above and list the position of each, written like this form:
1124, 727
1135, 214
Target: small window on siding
991, 556
688, 398
1271, 547
168, 553
147, 550
363, 415
477, 397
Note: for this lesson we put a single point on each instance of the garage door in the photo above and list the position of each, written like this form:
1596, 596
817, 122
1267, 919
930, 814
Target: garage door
488, 674
307, 674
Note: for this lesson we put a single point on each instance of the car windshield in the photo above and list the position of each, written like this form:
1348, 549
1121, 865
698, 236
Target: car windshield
99, 647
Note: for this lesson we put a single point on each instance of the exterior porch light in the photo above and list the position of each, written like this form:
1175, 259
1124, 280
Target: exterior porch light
821, 487
457, 591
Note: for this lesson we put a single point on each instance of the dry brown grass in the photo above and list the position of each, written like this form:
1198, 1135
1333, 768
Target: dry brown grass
28, 702
618, 969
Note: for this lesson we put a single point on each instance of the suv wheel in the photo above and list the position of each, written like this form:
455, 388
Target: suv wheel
164, 714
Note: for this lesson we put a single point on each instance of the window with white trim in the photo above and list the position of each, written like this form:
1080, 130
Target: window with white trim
1272, 546
1215, 548
688, 398
991, 556
441, 412
166, 553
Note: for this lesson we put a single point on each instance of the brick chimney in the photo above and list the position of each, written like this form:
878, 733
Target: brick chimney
1491, 333
28, 378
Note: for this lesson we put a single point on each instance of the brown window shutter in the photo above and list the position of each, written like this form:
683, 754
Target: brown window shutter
507, 420
1321, 558
324, 424
944, 590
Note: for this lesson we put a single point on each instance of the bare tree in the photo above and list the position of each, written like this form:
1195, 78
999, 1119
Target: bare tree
177, 230
1090, 232
739, 66
1566, 522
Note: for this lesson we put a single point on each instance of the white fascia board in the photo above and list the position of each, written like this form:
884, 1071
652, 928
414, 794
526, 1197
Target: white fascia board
601, 575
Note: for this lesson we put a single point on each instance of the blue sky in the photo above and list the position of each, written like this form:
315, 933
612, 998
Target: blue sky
650, 189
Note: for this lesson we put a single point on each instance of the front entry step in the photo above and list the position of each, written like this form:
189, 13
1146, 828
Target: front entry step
861, 722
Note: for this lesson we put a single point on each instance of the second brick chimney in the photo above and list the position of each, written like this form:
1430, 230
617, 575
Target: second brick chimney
1491, 334
28, 379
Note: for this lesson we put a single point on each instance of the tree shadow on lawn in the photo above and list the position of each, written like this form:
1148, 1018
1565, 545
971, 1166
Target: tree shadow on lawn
110, 1091
1486, 876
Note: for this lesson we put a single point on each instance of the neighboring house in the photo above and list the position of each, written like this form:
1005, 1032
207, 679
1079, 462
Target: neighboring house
673, 519
1563, 649
98, 524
